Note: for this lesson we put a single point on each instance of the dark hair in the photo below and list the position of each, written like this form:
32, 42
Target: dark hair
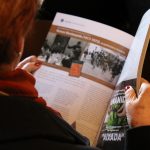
16, 19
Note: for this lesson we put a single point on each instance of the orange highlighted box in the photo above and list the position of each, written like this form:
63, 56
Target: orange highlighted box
76, 68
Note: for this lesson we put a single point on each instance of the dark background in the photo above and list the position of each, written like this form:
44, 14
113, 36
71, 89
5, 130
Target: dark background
121, 14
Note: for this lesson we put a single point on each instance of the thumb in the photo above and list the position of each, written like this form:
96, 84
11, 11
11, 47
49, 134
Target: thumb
130, 93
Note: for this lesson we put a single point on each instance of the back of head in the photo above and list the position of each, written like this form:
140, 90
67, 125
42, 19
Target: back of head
16, 18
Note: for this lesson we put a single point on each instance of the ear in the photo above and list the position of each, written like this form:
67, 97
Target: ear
19, 51
20, 45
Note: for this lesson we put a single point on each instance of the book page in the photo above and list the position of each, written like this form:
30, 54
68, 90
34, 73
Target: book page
79, 100
113, 132
101, 48
84, 99
133, 66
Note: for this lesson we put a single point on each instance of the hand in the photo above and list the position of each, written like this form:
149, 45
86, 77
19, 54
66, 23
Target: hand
30, 64
138, 108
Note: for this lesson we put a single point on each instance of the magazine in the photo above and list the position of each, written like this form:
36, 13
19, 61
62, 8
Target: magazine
86, 66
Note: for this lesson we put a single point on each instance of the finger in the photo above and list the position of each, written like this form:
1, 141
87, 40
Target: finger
144, 85
144, 90
30, 59
144, 80
130, 94
31, 67
27, 60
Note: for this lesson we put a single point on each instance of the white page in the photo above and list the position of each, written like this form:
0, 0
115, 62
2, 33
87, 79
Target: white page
131, 67
94, 28
77, 99
95, 38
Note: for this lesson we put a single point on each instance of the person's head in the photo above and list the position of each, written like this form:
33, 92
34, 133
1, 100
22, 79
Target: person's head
79, 42
16, 18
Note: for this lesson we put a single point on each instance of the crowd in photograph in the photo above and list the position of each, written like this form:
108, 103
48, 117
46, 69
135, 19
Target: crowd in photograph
106, 62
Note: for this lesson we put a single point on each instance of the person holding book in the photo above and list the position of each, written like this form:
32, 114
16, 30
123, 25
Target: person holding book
26, 121
138, 116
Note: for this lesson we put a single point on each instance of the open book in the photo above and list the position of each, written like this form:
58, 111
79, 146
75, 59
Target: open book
87, 66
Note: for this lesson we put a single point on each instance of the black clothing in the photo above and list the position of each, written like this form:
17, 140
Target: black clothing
28, 125
138, 138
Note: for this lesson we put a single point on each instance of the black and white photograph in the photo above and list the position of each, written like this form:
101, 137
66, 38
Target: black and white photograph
61, 50
102, 63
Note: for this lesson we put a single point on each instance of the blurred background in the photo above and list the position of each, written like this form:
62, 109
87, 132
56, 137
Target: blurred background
122, 14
